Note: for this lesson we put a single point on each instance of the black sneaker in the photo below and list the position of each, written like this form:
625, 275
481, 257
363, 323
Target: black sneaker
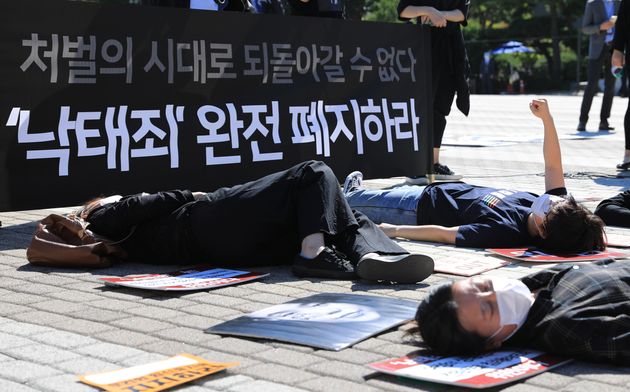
581, 127
406, 268
327, 264
604, 126
623, 166
443, 173
352, 182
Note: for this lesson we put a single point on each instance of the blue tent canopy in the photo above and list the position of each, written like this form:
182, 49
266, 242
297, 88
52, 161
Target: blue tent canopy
512, 47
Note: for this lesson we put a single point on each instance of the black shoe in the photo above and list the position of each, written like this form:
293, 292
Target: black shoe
623, 166
443, 173
327, 264
406, 268
581, 127
603, 126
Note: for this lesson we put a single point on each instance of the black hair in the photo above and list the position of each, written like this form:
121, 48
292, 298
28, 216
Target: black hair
439, 327
570, 227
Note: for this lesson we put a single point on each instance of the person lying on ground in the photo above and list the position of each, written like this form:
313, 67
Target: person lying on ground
296, 216
581, 311
481, 217
616, 210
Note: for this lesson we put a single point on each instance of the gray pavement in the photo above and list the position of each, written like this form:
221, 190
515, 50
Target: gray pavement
55, 323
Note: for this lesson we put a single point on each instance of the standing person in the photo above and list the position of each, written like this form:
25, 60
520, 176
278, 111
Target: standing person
450, 66
621, 45
599, 23
297, 216
319, 8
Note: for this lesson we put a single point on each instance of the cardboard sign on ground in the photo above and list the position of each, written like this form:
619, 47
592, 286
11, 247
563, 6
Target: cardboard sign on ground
328, 321
467, 267
156, 376
618, 240
483, 371
195, 278
538, 256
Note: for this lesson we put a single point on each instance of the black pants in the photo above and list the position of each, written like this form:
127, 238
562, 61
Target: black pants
263, 222
626, 119
594, 70
443, 94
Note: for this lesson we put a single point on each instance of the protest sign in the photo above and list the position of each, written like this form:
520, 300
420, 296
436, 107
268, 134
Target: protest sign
156, 376
119, 99
467, 266
538, 256
194, 278
483, 371
618, 240
328, 321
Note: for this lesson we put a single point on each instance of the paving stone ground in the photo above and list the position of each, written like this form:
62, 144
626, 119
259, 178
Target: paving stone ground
56, 323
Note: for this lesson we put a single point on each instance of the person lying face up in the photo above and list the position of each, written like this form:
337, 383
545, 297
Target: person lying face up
580, 311
481, 217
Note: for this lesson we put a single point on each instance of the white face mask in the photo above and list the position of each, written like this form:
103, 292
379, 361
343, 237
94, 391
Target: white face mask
514, 300
543, 203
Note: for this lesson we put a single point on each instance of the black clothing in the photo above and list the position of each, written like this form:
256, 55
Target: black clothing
320, 8
621, 42
168, 3
450, 66
592, 86
228, 5
616, 210
581, 311
262, 222
487, 217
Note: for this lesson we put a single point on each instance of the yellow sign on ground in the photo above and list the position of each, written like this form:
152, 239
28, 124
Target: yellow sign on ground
156, 376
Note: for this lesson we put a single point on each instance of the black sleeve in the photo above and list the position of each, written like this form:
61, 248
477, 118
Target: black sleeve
562, 191
116, 220
463, 7
621, 28
616, 210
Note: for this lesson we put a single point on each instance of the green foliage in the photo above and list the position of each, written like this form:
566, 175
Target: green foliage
381, 10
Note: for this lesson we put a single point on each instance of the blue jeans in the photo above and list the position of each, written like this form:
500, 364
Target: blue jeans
398, 206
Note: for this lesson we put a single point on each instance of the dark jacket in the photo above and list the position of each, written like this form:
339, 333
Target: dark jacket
158, 221
581, 311
616, 210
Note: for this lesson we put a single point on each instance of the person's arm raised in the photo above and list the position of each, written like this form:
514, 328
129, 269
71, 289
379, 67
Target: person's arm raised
432, 233
554, 173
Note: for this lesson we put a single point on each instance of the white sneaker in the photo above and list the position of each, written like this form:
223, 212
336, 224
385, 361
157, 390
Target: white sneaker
418, 180
352, 182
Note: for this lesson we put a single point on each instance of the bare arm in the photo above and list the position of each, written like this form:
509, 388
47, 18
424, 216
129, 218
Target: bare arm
554, 173
436, 17
432, 233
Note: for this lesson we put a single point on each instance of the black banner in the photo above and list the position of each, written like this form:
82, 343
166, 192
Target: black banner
104, 99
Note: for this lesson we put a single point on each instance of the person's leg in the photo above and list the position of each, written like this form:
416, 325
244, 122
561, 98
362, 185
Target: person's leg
609, 91
377, 257
594, 68
266, 221
625, 164
396, 205
442, 104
